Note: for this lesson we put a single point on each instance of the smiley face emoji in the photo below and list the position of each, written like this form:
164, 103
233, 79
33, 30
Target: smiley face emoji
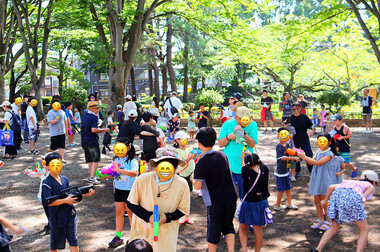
322, 142
245, 121
184, 141
55, 165
18, 100
33, 102
120, 150
56, 106
165, 170
284, 135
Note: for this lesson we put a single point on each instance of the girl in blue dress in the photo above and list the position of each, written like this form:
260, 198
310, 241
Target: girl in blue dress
321, 176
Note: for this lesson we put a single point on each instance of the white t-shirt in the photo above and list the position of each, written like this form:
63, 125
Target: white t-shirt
77, 117
109, 121
31, 113
15, 108
8, 117
176, 103
127, 107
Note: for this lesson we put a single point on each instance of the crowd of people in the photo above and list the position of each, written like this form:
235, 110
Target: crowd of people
161, 176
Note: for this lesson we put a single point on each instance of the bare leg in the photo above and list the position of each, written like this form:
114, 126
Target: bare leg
279, 198
265, 124
31, 145
328, 235
318, 207
271, 123
130, 214
119, 220
92, 167
61, 153
351, 166
230, 241
243, 236
293, 172
70, 138
288, 197
212, 247
258, 230
74, 249
363, 235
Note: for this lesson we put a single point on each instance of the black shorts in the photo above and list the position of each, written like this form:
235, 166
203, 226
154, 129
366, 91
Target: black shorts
92, 154
149, 154
121, 195
220, 220
57, 142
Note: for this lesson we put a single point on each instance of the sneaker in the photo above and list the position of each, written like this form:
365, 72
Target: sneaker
64, 161
250, 229
292, 206
116, 241
93, 181
72, 145
292, 178
355, 173
125, 214
281, 207
200, 193
265, 131
34, 152
21, 151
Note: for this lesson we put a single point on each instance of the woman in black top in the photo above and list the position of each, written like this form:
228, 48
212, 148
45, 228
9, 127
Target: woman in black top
254, 204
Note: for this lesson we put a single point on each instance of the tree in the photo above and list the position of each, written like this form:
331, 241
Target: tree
334, 97
209, 97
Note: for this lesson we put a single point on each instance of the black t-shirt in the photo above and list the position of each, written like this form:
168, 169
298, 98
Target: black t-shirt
24, 106
301, 124
119, 116
260, 191
88, 138
268, 100
202, 121
129, 130
303, 104
214, 172
150, 142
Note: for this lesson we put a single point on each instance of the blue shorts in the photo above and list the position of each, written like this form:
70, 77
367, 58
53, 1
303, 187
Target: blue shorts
283, 183
346, 156
58, 235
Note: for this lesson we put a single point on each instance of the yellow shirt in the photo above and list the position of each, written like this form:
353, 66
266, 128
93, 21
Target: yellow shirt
188, 169
144, 193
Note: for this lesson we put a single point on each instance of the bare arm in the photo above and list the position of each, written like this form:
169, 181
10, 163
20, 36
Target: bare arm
328, 193
368, 192
342, 170
285, 158
197, 184
313, 161
96, 130
146, 133
224, 141
68, 200
250, 141
12, 227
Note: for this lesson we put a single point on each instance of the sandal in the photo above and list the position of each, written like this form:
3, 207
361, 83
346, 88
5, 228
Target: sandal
189, 221
325, 226
316, 225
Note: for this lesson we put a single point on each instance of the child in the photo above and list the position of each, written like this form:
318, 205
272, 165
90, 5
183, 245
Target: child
77, 118
70, 122
127, 167
337, 167
320, 181
323, 118
191, 125
62, 214
202, 116
223, 114
292, 131
42, 177
31, 119
185, 170
107, 140
282, 172
255, 200
344, 142
173, 126
119, 116
139, 245
328, 123
150, 144
5, 239
346, 205
315, 120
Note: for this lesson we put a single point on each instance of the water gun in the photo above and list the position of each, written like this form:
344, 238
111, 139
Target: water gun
74, 190
196, 151
156, 223
239, 134
57, 117
294, 151
109, 171
1, 163
142, 167
101, 176
117, 123
199, 114
327, 204
70, 132
245, 151
336, 136
36, 172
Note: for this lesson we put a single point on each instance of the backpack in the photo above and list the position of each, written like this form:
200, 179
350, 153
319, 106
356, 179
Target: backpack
15, 122
173, 109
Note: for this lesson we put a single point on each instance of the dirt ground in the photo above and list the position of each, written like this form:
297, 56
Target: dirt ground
290, 231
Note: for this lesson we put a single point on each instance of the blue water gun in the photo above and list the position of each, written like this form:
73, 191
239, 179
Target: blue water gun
156, 223
196, 151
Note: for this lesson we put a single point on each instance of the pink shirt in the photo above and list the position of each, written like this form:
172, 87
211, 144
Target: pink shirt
323, 117
357, 186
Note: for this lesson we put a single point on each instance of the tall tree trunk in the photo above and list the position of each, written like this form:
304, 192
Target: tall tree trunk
194, 83
186, 67
203, 82
133, 80
150, 74
2, 84
156, 72
169, 47
164, 81
12, 86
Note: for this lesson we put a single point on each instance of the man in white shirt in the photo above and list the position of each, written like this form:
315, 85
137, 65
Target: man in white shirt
128, 105
31, 119
173, 102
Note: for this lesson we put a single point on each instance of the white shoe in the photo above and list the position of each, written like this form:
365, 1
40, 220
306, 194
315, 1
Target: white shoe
281, 207
292, 206
293, 178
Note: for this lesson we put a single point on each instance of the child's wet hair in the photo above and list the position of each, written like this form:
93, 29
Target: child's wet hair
139, 245
332, 142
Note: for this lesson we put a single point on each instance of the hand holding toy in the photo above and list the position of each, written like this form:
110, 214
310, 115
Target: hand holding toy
336, 136
156, 223
294, 151
70, 132
196, 151
109, 170
101, 176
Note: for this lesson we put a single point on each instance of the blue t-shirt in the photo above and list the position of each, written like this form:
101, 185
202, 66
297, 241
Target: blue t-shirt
119, 116
89, 121
58, 128
124, 182
69, 115
233, 150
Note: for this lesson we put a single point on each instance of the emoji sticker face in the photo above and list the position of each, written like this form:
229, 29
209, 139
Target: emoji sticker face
33, 102
165, 170
120, 150
184, 141
55, 165
56, 106
245, 121
322, 142
18, 100
284, 135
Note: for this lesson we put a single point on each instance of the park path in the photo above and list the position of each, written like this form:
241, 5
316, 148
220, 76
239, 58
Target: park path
289, 232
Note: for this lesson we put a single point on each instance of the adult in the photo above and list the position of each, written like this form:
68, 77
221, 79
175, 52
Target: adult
233, 137
31, 121
57, 98
90, 139
24, 106
366, 102
128, 106
304, 104
139, 108
286, 105
16, 109
58, 129
155, 109
303, 126
230, 113
10, 151
238, 96
266, 113
130, 128
173, 105
119, 116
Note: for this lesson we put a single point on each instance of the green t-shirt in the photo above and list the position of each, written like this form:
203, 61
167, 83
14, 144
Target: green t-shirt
233, 150
138, 105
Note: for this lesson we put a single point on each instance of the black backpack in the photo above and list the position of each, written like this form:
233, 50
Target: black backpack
15, 122
173, 109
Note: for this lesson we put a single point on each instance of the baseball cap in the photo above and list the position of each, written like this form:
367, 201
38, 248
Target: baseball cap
237, 105
177, 115
119, 106
370, 175
93, 104
137, 149
6, 103
128, 97
265, 91
243, 111
132, 113
181, 134
337, 117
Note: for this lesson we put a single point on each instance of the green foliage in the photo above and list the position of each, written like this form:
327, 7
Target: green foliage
46, 100
76, 95
209, 97
334, 97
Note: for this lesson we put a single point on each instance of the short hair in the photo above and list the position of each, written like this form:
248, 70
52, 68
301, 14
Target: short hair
296, 104
202, 104
30, 99
146, 116
50, 156
78, 108
206, 136
314, 109
322, 106
282, 128
17, 96
366, 90
285, 119
174, 94
109, 113
68, 104
283, 95
134, 98
139, 245
265, 91
190, 111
